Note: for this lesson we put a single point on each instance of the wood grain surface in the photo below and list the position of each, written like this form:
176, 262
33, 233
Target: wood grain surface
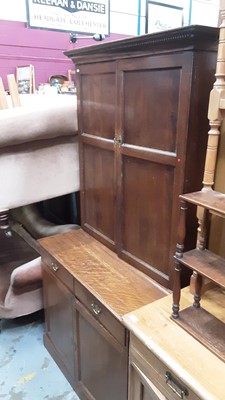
119, 286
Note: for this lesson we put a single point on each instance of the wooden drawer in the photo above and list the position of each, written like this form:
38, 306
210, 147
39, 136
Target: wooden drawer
101, 313
57, 269
158, 373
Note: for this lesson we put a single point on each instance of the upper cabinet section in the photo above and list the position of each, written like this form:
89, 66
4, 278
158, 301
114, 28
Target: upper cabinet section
142, 113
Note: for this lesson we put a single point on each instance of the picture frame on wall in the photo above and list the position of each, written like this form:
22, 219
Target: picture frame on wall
25, 79
161, 17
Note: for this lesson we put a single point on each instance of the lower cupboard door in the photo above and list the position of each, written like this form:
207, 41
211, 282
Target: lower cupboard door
141, 388
102, 362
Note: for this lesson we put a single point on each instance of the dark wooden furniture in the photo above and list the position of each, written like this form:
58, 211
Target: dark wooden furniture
142, 105
87, 290
142, 112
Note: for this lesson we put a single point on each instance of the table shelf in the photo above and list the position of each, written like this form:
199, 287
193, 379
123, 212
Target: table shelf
206, 263
209, 199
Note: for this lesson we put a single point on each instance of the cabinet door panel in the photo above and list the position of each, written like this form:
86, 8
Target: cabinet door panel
147, 213
59, 321
151, 126
97, 107
155, 97
102, 363
99, 200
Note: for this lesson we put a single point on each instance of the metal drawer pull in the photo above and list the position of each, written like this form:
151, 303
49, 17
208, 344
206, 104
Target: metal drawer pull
95, 308
175, 386
55, 267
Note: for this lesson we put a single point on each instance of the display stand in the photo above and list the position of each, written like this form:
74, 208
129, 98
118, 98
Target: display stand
198, 322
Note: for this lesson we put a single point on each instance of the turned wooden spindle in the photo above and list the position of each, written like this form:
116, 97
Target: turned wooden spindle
198, 289
203, 237
4, 223
178, 255
215, 113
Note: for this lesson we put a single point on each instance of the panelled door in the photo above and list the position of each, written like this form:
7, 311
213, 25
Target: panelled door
153, 120
97, 114
133, 121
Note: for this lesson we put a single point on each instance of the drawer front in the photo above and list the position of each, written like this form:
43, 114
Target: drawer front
158, 373
57, 269
101, 313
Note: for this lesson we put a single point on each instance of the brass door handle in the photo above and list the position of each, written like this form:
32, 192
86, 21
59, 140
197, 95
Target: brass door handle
181, 391
55, 267
118, 141
95, 308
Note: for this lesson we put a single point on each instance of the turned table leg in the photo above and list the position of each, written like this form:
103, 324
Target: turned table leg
4, 223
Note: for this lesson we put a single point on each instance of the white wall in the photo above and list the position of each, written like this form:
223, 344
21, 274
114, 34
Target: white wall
205, 12
13, 10
128, 16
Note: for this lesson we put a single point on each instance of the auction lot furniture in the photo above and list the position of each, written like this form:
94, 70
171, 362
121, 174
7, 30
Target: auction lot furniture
38, 151
142, 119
142, 123
87, 290
38, 161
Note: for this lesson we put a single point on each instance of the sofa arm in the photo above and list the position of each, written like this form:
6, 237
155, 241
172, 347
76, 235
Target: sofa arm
26, 275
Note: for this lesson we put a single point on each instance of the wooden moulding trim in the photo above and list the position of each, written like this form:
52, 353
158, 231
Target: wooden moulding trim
196, 36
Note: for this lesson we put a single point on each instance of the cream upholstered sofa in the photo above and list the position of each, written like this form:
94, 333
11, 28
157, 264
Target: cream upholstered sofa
38, 161
38, 150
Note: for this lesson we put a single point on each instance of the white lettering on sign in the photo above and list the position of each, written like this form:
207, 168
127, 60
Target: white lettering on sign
61, 3
78, 5
89, 6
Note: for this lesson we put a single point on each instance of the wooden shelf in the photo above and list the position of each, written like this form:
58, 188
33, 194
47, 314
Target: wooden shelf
206, 263
205, 327
211, 200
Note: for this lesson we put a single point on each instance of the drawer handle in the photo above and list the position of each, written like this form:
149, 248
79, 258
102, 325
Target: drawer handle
96, 309
175, 386
55, 267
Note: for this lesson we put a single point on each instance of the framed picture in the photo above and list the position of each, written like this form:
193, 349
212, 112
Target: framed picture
25, 78
161, 17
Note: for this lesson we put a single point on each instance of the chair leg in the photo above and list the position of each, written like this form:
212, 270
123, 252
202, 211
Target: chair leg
4, 223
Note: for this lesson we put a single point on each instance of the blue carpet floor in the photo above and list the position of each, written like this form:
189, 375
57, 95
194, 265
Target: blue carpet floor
27, 371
